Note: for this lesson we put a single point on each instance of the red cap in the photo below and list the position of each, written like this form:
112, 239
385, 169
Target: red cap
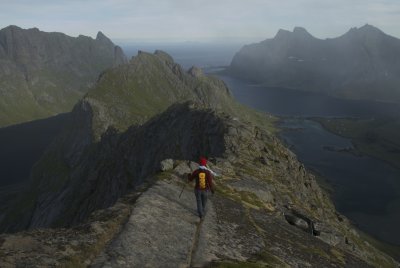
203, 161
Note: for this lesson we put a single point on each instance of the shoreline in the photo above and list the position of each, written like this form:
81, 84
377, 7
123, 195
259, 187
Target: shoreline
356, 151
329, 188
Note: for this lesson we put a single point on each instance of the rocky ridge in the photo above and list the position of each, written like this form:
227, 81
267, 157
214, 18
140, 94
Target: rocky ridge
112, 118
268, 210
261, 189
43, 74
361, 64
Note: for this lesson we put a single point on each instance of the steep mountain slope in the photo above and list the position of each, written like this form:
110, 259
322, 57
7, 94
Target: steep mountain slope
364, 63
268, 209
125, 96
42, 74
133, 93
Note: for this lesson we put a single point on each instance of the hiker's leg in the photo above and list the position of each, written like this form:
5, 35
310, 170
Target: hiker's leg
204, 200
199, 202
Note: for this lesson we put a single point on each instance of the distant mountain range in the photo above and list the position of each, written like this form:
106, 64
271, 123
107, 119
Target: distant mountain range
364, 63
43, 74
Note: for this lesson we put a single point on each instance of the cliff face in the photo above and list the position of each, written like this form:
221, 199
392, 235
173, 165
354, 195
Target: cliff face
361, 64
120, 162
267, 210
43, 74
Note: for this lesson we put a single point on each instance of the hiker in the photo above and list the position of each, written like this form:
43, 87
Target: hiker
203, 177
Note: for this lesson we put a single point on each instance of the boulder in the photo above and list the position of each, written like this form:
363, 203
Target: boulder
166, 164
182, 168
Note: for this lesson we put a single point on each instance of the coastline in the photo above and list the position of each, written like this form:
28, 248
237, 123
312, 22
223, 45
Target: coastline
328, 187
356, 151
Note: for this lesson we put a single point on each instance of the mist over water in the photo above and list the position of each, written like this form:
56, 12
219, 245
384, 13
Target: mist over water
290, 102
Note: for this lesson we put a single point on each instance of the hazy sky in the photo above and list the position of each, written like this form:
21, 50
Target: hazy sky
208, 20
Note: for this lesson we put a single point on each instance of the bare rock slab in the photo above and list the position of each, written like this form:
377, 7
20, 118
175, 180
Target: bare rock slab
159, 233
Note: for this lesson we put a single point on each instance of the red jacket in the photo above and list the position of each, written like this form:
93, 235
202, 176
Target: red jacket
208, 180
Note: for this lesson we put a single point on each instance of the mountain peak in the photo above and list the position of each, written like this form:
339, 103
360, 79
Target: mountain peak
282, 33
102, 38
100, 35
301, 32
298, 32
164, 55
11, 28
367, 29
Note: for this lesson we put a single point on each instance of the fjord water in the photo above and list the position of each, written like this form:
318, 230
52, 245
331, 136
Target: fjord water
291, 102
365, 189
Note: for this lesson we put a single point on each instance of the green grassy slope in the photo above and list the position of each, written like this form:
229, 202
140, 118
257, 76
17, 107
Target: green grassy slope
131, 94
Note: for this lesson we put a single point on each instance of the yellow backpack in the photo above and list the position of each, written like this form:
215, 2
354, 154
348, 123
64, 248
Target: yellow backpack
202, 180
